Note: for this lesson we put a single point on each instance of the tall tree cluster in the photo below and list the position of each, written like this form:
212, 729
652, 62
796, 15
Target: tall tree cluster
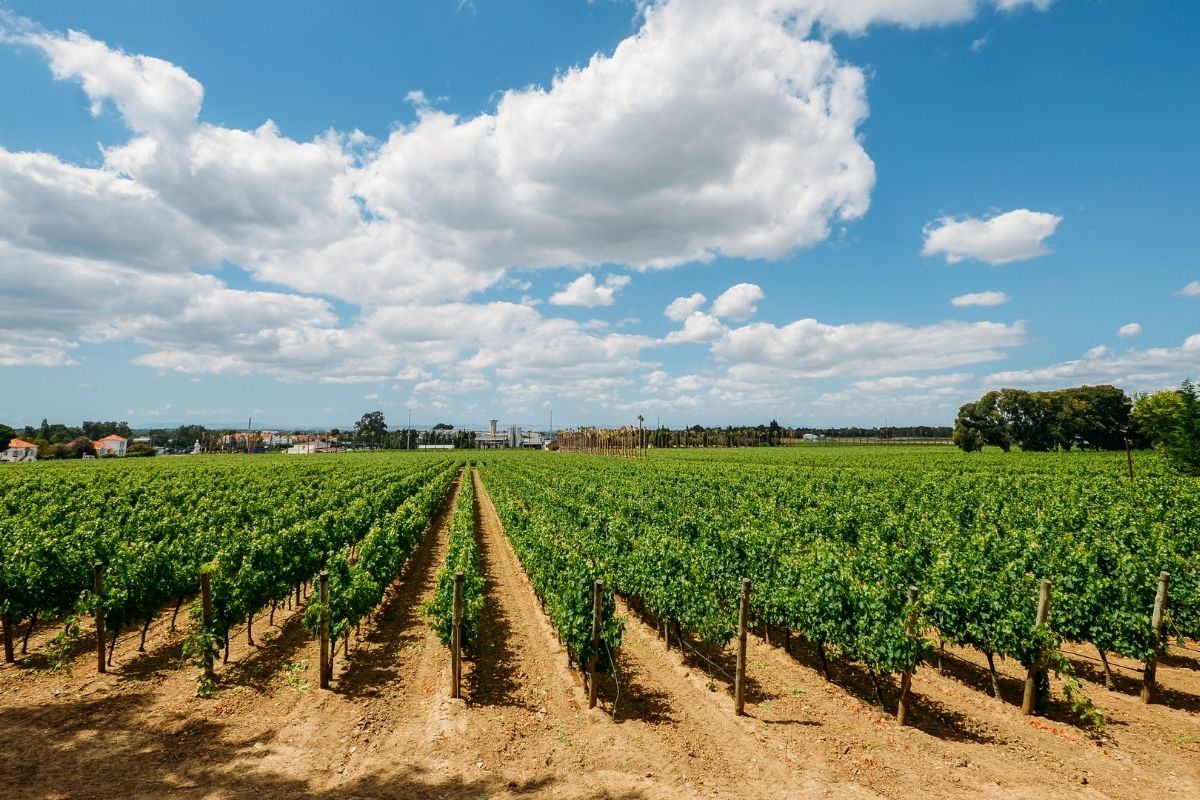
1170, 421
1087, 417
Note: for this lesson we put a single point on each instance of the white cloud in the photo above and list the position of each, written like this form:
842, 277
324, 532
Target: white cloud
584, 291
745, 144
1191, 290
600, 167
151, 94
1013, 236
1131, 329
857, 15
698, 327
1132, 370
738, 302
980, 299
980, 43
810, 349
681, 307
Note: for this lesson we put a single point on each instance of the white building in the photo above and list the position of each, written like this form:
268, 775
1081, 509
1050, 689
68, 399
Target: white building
112, 443
309, 447
486, 440
20, 450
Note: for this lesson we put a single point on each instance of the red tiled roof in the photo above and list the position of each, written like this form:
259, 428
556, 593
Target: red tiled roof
20, 443
112, 437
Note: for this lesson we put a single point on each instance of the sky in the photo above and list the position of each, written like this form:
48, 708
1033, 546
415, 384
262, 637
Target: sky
824, 212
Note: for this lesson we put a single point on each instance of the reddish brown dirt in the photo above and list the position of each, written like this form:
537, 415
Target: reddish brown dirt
389, 729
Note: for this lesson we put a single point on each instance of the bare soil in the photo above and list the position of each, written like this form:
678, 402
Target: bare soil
664, 728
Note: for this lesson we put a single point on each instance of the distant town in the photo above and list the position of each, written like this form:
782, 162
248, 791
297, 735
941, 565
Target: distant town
117, 439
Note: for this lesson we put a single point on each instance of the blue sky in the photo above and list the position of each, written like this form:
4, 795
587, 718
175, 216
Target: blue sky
706, 212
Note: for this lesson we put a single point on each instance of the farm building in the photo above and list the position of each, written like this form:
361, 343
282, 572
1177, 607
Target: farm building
491, 439
310, 446
513, 437
20, 450
112, 443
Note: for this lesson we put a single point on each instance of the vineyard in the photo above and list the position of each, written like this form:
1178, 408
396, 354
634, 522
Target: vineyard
871, 574
128, 541
831, 548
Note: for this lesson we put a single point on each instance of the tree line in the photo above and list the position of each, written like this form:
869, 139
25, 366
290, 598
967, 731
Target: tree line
1087, 418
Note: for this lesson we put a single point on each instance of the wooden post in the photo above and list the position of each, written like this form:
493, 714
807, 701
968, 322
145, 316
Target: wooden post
597, 608
6, 620
98, 590
739, 683
324, 681
456, 638
1156, 622
902, 706
1034, 676
206, 611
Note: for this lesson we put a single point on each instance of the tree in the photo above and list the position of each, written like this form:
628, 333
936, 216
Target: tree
969, 439
371, 427
985, 418
1171, 420
1087, 416
7, 434
98, 430
1154, 415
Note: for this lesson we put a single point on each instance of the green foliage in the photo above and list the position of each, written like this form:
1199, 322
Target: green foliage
1171, 422
62, 646
832, 538
562, 555
1090, 417
201, 646
462, 557
361, 570
262, 527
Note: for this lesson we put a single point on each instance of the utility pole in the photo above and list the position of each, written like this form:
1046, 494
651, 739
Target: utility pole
248, 421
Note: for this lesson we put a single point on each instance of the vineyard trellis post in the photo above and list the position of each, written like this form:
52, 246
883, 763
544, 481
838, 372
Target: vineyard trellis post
324, 680
98, 589
902, 705
1034, 676
597, 609
739, 681
1156, 623
456, 637
9, 656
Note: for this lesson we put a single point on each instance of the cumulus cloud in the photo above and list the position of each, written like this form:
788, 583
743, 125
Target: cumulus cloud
980, 299
681, 307
1191, 290
738, 302
809, 349
1130, 329
584, 291
1134, 369
698, 327
600, 166
855, 17
1013, 236
745, 144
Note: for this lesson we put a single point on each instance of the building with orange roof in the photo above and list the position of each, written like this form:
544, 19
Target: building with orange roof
20, 450
111, 444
